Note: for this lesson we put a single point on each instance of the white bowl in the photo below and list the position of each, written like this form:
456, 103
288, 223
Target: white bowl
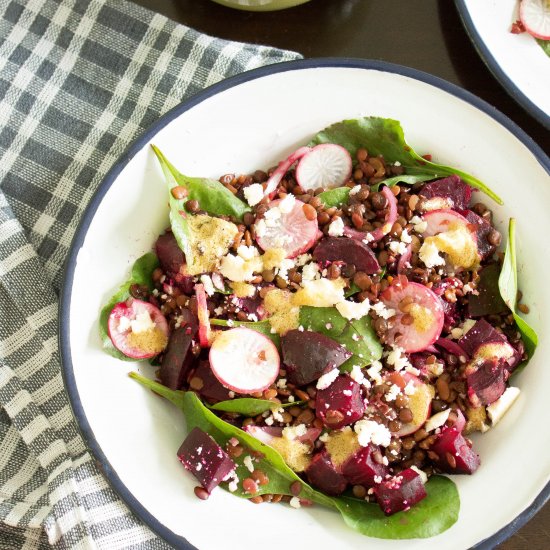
250, 122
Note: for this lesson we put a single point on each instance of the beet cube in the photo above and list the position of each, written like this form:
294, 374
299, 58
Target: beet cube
211, 388
455, 454
178, 359
487, 383
322, 473
481, 333
400, 492
452, 188
350, 251
307, 355
482, 228
205, 459
170, 255
341, 403
362, 469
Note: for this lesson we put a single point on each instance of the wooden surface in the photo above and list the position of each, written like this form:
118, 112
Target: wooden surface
424, 34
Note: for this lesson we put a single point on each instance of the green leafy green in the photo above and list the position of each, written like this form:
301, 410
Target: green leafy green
384, 136
249, 406
141, 274
508, 286
545, 45
335, 197
264, 327
433, 515
356, 336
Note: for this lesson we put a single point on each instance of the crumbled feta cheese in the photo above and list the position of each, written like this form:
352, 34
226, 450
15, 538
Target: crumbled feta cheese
398, 247
206, 280
429, 254
302, 259
272, 217
437, 420
421, 473
294, 432
410, 388
327, 379
382, 311
218, 311
393, 392
278, 414
354, 190
142, 322
295, 502
291, 399
497, 409
269, 420
353, 310
374, 372
310, 272
405, 237
234, 483
336, 228
370, 431
357, 374
421, 226
253, 194
247, 252
248, 463
325, 437
260, 228
281, 383
123, 324
287, 204
397, 359
320, 293
284, 267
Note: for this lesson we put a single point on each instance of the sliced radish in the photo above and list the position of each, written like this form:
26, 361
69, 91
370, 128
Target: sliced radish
440, 221
535, 16
291, 231
425, 316
404, 262
244, 360
266, 434
138, 329
205, 332
324, 167
282, 169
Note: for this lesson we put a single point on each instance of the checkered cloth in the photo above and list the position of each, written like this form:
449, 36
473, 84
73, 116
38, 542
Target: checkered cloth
79, 81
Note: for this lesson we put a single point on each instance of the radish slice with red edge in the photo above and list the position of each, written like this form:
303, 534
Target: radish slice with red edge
440, 221
292, 231
423, 306
283, 167
138, 329
205, 332
535, 16
405, 260
324, 167
244, 360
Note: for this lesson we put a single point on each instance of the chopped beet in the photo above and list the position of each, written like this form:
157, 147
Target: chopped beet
451, 312
452, 188
205, 459
487, 383
307, 355
169, 253
481, 333
488, 301
350, 251
322, 473
400, 492
455, 454
361, 468
341, 403
178, 358
211, 389
482, 228
251, 305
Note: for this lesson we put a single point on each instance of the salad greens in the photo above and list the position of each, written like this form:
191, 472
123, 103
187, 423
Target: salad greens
249, 406
335, 197
384, 136
141, 274
545, 45
431, 516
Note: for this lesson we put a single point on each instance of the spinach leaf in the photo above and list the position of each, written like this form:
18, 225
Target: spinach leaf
384, 136
508, 286
353, 289
211, 195
249, 406
264, 327
335, 197
328, 321
141, 274
545, 45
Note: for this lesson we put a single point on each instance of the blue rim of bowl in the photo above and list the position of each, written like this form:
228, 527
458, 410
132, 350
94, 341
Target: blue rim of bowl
80, 234
507, 83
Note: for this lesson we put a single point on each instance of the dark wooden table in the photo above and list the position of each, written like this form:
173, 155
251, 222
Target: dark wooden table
424, 34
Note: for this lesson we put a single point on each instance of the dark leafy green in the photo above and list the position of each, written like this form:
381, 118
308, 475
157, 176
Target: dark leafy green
384, 136
508, 286
141, 274
264, 327
328, 321
545, 45
248, 406
488, 300
335, 197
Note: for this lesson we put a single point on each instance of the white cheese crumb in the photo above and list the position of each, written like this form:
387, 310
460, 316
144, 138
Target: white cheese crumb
302, 259
248, 463
421, 473
405, 237
247, 252
357, 374
354, 190
370, 431
374, 372
397, 359
410, 388
310, 272
429, 254
295, 502
293, 432
437, 420
281, 383
336, 228
253, 194
393, 392
327, 379
398, 247
206, 280
272, 217
142, 322
287, 204
353, 310
269, 421
260, 228
498, 409
383, 311
325, 437
123, 324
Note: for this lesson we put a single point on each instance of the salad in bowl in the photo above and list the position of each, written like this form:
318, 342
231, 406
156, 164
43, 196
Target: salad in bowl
333, 328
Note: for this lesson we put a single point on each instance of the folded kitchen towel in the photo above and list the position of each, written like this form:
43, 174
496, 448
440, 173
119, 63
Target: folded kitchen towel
79, 81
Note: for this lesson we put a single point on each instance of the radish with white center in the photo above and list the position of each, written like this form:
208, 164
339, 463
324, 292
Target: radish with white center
440, 221
205, 332
418, 319
244, 360
292, 231
138, 329
324, 167
535, 16
283, 167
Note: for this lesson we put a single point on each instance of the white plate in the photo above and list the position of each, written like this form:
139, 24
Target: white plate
516, 60
250, 122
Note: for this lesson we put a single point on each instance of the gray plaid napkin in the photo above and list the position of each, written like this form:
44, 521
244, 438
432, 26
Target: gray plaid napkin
79, 81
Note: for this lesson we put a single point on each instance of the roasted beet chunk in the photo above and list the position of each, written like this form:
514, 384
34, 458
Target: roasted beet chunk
178, 359
207, 385
205, 459
341, 403
400, 492
455, 455
307, 355
362, 469
451, 189
483, 229
170, 256
350, 251
322, 473
481, 333
487, 383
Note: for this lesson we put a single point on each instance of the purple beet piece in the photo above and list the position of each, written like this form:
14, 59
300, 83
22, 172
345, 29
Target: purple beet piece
307, 355
350, 251
481, 333
450, 310
205, 459
322, 473
487, 383
400, 492
482, 229
212, 389
170, 255
362, 469
341, 403
450, 346
455, 455
251, 305
178, 358
452, 188
488, 301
